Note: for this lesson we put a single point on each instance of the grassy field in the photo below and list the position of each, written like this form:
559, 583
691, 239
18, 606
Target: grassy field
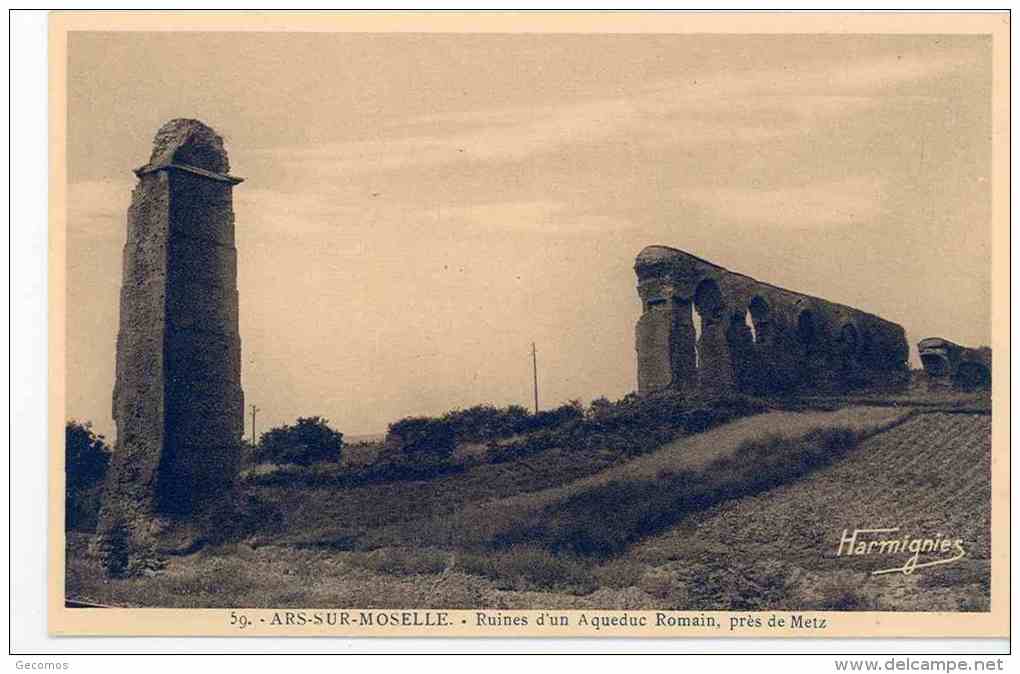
778, 549
474, 524
746, 515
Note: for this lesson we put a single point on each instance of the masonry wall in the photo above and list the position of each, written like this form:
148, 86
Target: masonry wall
793, 339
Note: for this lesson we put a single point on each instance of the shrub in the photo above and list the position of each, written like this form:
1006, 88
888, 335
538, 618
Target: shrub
421, 439
437, 436
557, 416
628, 427
86, 459
310, 440
532, 444
485, 422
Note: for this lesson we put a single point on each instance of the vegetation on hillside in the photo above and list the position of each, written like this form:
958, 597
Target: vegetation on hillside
634, 509
422, 448
86, 459
487, 422
310, 440
378, 545
630, 426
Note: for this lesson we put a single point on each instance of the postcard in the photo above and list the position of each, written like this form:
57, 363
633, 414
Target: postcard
527, 324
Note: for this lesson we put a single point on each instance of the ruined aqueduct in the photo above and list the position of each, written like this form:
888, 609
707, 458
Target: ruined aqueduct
754, 336
178, 402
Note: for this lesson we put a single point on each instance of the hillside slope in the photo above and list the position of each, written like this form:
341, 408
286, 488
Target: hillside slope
479, 521
930, 475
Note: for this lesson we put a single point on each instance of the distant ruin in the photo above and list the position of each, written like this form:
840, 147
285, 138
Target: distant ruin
177, 401
945, 361
754, 337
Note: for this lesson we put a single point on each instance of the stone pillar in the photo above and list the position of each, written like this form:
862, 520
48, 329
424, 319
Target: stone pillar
683, 346
715, 364
741, 343
665, 346
653, 337
177, 400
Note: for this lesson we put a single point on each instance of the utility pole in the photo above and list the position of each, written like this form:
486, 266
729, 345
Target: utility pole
534, 369
254, 409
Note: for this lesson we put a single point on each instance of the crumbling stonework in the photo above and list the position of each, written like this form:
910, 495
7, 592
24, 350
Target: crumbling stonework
754, 336
945, 361
177, 401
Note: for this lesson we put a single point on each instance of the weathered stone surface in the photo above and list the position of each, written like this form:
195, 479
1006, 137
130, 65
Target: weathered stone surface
754, 336
946, 361
177, 401
189, 142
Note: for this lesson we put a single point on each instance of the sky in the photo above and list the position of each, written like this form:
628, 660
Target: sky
419, 208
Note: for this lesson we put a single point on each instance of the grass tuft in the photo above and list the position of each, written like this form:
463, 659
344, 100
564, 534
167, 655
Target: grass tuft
401, 561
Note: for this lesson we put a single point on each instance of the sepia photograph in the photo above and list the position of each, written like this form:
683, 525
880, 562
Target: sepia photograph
659, 332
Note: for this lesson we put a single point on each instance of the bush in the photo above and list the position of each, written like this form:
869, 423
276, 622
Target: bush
86, 460
308, 441
437, 436
572, 411
629, 427
420, 439
485, 422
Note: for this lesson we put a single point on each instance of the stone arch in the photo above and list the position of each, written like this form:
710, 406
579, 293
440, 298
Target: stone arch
849, 340
759, 310
866, 349
749, 322
847, 348
708, 299
936, 365
189, 142
807, 329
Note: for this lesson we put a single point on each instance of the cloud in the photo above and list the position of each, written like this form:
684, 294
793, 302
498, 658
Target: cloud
742, 107
839, 203
98, 208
